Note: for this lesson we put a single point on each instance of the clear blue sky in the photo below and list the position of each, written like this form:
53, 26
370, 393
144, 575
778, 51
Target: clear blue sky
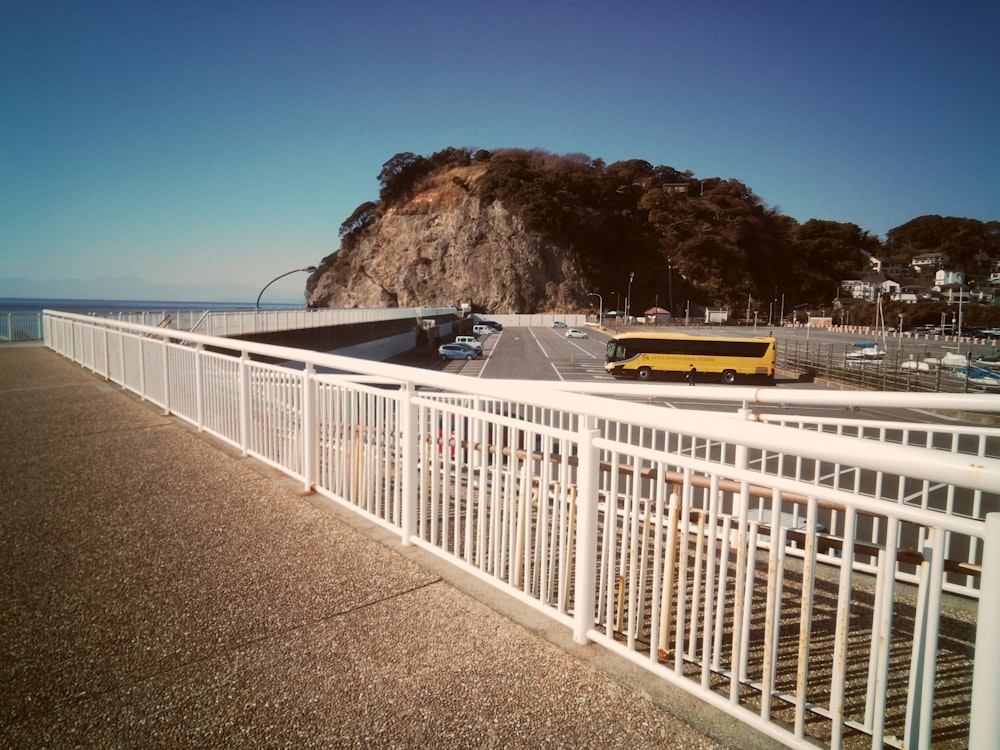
202, 141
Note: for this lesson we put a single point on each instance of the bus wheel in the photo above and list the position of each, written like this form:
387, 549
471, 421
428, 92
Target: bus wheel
644, 373
729, 377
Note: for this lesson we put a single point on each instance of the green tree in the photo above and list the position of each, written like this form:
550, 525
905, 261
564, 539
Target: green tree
363, 216
966, 241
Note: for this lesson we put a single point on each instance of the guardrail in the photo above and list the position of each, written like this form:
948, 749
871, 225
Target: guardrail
26, 326
893, 371
790, 574
241, 322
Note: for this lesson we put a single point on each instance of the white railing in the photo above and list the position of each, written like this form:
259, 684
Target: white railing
240, 322
237, 322
645, 529
20, 326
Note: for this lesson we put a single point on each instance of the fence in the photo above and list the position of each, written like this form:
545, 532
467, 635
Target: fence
26, 326
894, 370
791, 572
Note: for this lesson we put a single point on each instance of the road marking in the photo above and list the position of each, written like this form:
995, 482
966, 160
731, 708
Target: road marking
573, 342
539, 343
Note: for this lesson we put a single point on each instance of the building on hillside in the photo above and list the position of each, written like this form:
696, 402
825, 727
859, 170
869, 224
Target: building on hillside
867, 289
954, 293
926, 263
892, 268
717, 315
943, 278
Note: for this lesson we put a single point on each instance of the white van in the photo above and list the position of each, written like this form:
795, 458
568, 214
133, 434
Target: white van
481, 330
470, 341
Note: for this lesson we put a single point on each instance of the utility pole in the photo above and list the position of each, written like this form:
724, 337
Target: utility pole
670, 284
628, 298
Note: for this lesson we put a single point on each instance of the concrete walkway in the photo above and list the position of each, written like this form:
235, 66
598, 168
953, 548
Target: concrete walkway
159, 590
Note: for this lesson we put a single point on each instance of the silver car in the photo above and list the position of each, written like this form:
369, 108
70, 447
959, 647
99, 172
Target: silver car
457, 351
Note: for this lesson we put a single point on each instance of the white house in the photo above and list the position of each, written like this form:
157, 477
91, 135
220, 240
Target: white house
944, 278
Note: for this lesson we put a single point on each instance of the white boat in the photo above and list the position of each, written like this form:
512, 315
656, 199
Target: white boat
866, 351
952, 359
920, 366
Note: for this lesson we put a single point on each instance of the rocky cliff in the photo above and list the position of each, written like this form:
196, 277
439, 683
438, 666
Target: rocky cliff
529, 231
444, 247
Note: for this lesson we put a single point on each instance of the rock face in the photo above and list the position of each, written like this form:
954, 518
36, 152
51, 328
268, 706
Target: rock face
457, 251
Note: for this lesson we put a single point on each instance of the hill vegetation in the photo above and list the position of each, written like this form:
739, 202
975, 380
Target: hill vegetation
703, 242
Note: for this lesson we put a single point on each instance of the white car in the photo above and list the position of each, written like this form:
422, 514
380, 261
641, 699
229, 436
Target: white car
470, 341
576, 333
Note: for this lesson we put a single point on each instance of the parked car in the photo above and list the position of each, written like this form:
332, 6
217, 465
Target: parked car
576, 333
493, 324
470, 341
558, 324
481, 329
457, 351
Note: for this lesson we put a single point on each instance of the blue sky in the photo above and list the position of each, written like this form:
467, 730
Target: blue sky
190, 142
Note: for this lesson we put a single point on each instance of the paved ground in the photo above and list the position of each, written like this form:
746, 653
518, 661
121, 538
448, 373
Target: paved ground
158, 590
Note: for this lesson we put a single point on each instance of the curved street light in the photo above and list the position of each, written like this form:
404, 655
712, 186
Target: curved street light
307, 269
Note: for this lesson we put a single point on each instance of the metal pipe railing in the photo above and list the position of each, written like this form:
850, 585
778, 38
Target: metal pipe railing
652, 532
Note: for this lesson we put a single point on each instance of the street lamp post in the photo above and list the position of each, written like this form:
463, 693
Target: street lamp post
628, 298
600, 309
670, 284
307, 269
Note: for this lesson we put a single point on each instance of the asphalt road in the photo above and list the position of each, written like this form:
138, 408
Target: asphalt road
523, 353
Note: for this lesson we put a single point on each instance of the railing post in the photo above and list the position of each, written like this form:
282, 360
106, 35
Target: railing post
585, 571
244, 397
121, 354
107, 355
923, 662
310, 426
165, 347
408, 448
142, 367
984, 719
199, 388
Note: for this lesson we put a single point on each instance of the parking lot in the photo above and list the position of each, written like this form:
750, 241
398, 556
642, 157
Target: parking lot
526, 353
545, 353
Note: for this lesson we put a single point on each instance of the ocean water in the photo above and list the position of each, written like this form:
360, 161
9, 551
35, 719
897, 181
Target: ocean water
106, 306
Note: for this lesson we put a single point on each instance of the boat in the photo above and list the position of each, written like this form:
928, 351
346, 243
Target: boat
979, 376
865, 351
869, 352
954, 359
924, 365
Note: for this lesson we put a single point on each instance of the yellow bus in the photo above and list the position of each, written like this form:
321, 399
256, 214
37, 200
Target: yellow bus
726, 358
